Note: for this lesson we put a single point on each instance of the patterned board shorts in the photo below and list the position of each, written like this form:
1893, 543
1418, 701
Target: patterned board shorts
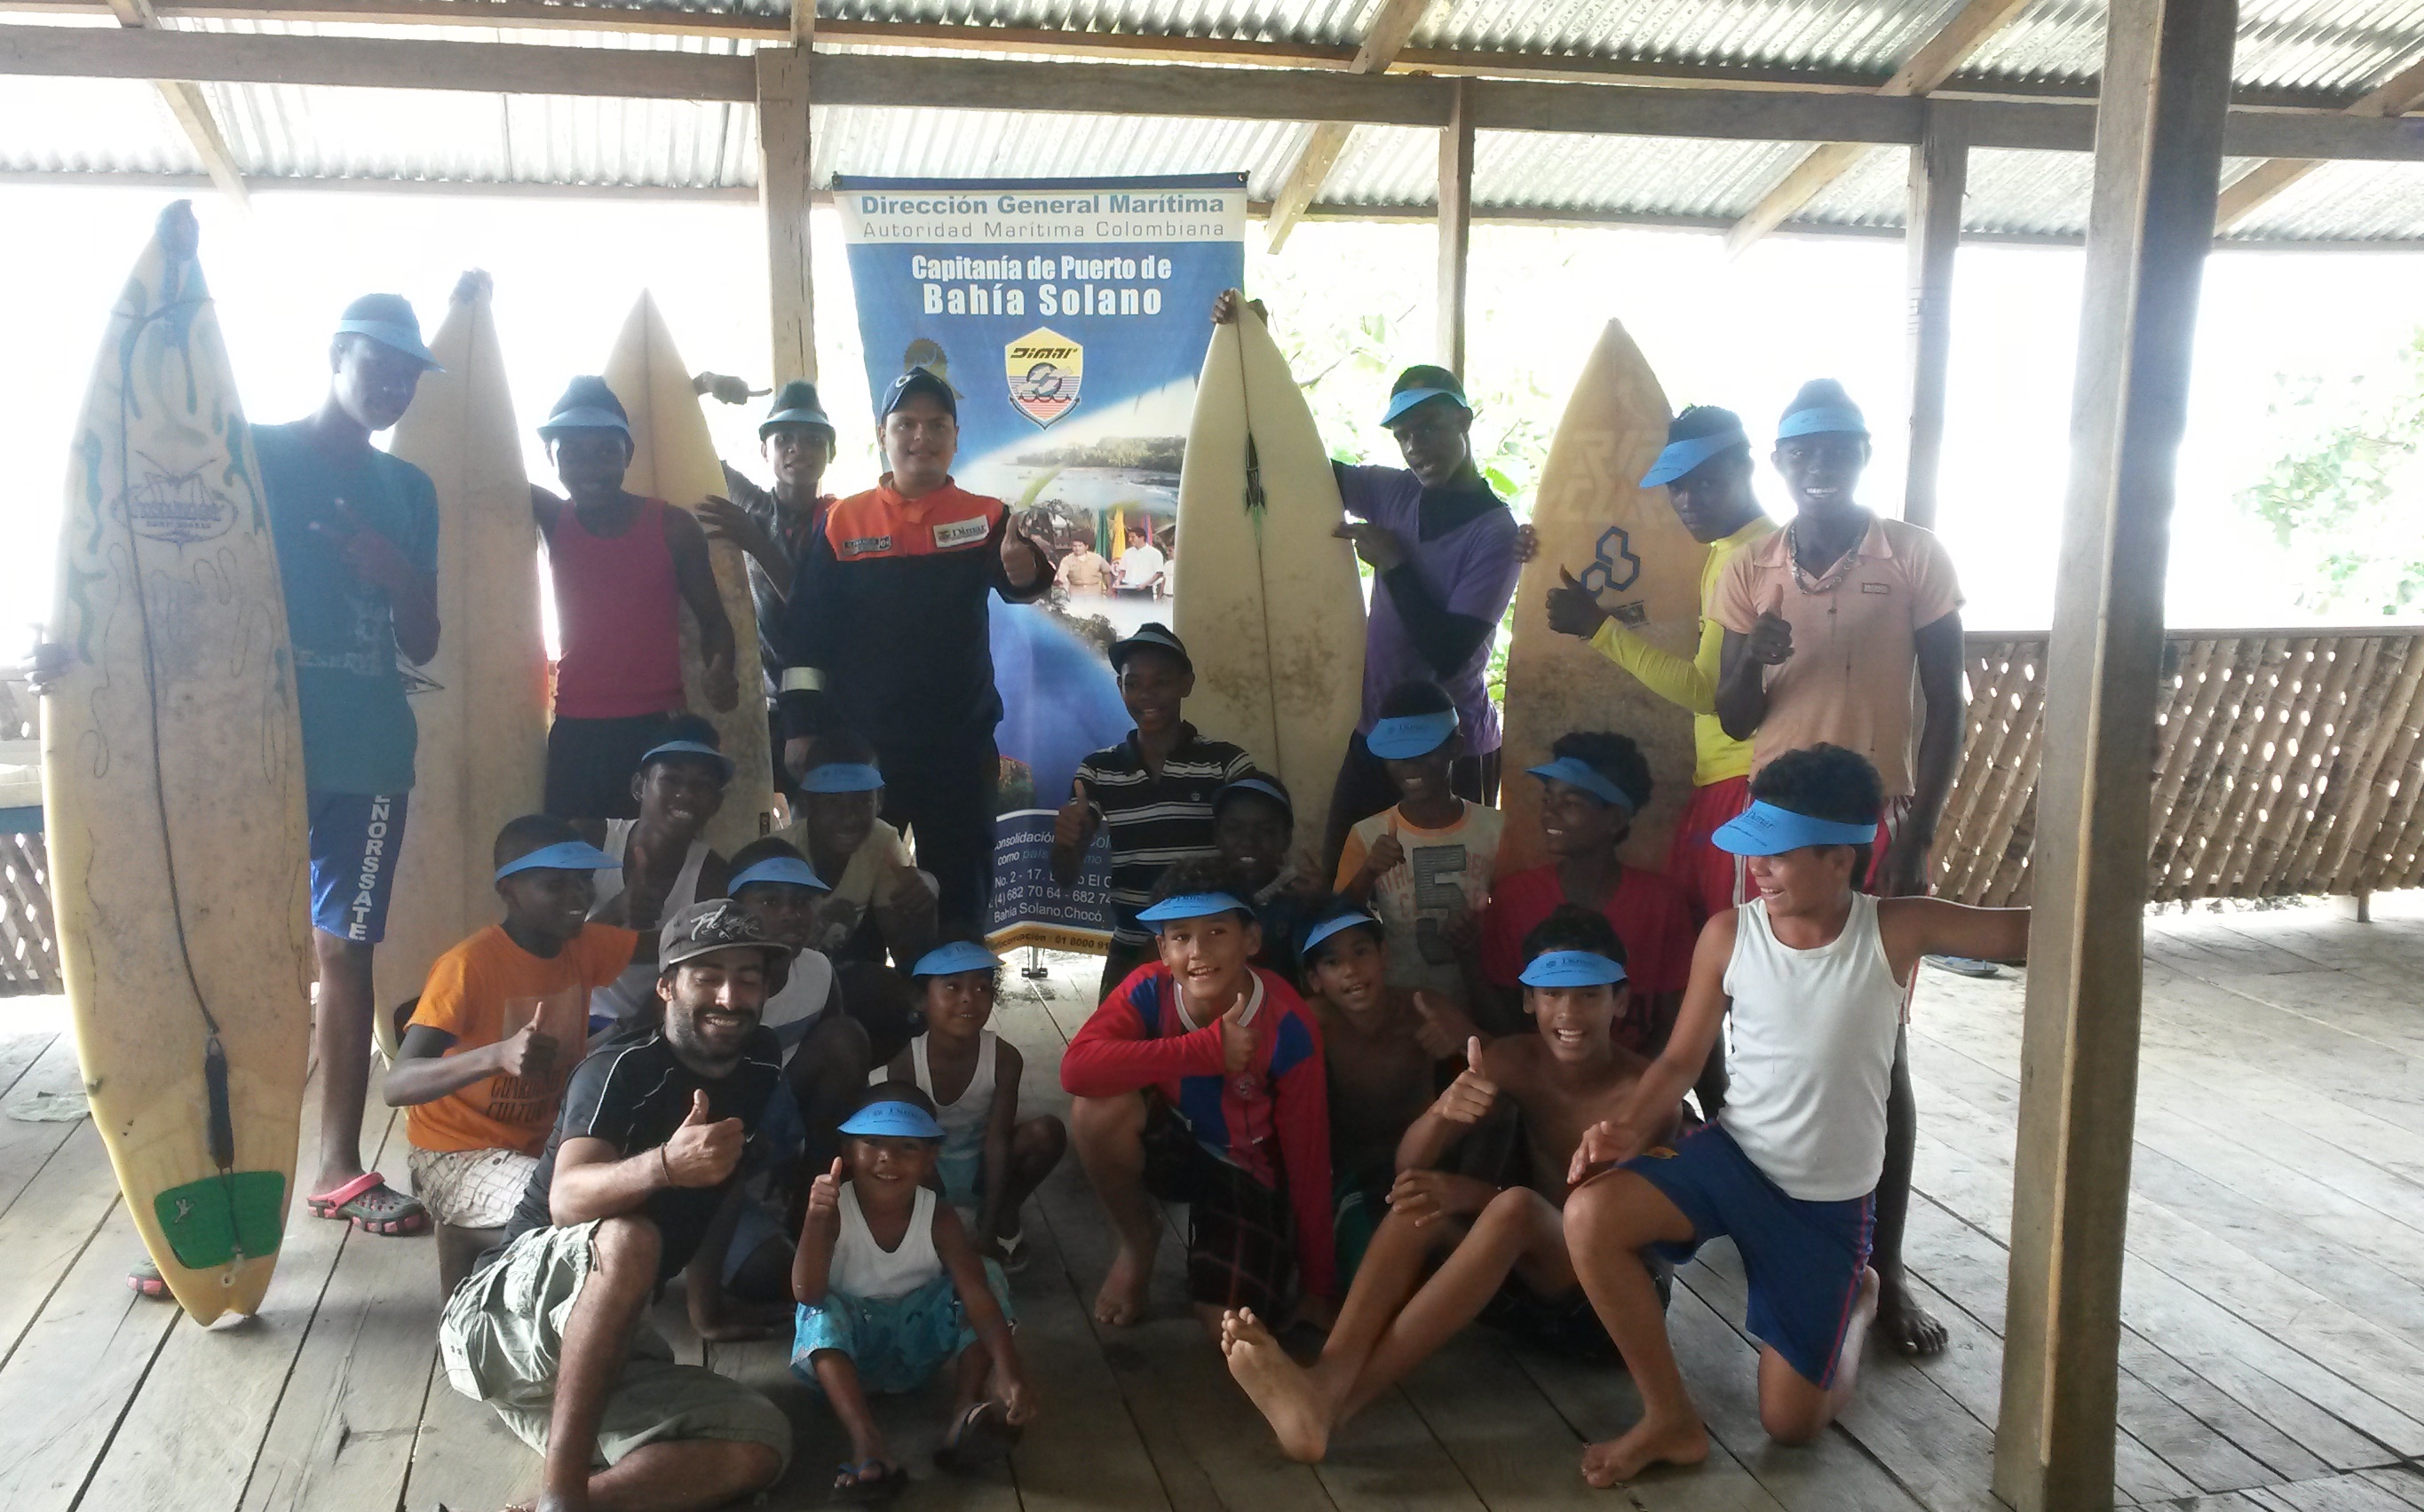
896, 1342
1241, 1234
470, 1188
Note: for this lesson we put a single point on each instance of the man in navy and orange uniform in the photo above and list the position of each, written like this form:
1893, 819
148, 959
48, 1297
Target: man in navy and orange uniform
886, 632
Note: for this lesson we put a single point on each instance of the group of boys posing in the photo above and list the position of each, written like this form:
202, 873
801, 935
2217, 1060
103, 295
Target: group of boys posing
1475, 1108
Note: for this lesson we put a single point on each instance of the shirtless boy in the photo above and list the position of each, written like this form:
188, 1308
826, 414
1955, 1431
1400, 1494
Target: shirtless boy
1474, 1238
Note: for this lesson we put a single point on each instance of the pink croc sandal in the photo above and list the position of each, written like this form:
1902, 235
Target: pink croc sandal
370, 1203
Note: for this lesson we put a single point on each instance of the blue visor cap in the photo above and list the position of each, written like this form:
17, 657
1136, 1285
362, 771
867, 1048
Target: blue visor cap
1576, 772
394, 335
1409, 736
1193, 905
688, 748
564, 855
1681, 457
1400, 402
1765, 830
905, 1121
1820, 418
841, 777
960, 955
584, 418
1335, 922
1571, 969
789, 870
1253, 785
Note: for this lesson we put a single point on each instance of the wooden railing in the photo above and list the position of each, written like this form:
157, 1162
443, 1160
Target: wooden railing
2287, 762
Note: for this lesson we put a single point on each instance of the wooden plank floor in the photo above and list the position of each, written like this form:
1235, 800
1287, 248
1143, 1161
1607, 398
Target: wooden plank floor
2274, 1301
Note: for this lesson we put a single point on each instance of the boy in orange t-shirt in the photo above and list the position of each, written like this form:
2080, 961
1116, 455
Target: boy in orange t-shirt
496, 1034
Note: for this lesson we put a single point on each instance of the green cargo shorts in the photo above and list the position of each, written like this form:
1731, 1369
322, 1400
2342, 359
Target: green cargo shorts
502, 1333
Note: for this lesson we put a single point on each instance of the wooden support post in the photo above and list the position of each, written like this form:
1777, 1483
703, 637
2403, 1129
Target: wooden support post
1454, 226
1939, 169
2158, 164
783, 188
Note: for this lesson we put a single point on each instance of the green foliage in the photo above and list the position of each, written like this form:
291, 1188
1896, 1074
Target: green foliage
2346, 499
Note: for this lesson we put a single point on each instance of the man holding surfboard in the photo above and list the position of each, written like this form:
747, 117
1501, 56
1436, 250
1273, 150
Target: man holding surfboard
885, 632
1825, 622
1446, 551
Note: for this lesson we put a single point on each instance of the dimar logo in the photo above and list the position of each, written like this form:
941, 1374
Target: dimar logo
1044, 368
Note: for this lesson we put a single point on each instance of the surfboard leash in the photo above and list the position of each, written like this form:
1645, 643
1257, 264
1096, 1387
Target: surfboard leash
1257, 507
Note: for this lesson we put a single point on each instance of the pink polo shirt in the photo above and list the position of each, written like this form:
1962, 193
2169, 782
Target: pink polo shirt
1854, 640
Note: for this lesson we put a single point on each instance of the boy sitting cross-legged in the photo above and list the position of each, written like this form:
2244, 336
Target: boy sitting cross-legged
496, 1034
1453, 1246
1200, 1080
1814, 972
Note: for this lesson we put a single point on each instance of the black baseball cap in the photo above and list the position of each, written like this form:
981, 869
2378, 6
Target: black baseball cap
918, 381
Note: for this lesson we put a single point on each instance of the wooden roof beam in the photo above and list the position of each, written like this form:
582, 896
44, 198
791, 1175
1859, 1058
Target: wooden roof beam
193, 112
1934, 63
1392, 25
2402, 93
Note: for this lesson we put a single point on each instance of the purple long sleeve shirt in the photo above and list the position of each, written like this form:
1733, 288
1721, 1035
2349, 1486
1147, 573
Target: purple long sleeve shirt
1471, 569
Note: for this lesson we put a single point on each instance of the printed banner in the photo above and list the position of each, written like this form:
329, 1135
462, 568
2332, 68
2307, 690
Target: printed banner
1070, 317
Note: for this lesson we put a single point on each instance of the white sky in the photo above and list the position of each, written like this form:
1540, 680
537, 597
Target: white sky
1744, 334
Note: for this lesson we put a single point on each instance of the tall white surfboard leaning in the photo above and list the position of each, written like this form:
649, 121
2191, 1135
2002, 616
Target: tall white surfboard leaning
480, 702
172, 769
1266, 597
673, 458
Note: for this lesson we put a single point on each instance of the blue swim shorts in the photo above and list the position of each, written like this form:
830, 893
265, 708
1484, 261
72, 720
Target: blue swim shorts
1803, 1260
355, 840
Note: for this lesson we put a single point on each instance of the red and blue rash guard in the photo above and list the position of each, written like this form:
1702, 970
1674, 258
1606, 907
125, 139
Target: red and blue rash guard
1271, 1122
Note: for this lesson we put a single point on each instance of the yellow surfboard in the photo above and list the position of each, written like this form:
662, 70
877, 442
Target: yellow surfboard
172, 769
674, 458
480, 702
1624, 542
1265, 599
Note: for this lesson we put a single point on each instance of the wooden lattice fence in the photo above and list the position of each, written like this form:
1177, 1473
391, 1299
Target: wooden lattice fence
2285, 762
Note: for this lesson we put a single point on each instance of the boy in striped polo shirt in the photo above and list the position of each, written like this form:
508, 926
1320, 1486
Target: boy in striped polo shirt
1153, 789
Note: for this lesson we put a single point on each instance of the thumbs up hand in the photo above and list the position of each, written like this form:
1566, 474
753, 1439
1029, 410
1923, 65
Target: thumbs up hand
824, 1195
1572, 609
1471, 1095
1442, 1027
1236, 1038
705, 1150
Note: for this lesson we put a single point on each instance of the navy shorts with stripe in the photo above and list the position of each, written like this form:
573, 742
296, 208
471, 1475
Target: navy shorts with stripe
356, 839
1803, 1260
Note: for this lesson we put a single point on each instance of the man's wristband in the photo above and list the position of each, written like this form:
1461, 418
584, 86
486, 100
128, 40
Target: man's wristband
664, 1166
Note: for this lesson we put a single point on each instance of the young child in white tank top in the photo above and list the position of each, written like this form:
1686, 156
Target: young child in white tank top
1813, 973
890, 1289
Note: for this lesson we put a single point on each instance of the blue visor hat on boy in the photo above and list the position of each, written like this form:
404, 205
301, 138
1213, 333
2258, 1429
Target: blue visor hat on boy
688, 748
1823, 420
841, 777
1193, 905
1680, 458
791, 870
1571, 969
892, 1117
1576, 772
564, 855
1326, 928
1765, 830
1264, 786
960, 955
1409, 736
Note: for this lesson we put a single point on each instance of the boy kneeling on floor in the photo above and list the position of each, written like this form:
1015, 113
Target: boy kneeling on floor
1815, 974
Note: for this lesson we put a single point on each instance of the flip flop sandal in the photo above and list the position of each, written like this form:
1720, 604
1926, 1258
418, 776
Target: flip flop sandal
144, 1280
888, 1481
369, 1203
1014, 1254
1964, 966
982, 1437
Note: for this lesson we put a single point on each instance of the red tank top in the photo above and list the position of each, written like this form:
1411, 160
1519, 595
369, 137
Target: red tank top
617, 607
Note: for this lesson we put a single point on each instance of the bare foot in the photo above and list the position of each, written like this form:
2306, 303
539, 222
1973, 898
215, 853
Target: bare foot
1280, 1388
1649, 1443
1902, 1325
1122, 1300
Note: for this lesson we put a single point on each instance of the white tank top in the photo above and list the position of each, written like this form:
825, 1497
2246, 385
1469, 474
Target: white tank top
630, 994
865, 1270
963, 1122
1813, 1045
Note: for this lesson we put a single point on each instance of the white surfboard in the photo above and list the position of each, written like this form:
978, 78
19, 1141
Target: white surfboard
674, 458
480, 702
172, 769
1265, 598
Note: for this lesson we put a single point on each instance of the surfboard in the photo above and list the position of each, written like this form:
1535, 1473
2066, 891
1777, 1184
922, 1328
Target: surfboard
172, 772
1265, 599
1622, 540
674, 458
480, 702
